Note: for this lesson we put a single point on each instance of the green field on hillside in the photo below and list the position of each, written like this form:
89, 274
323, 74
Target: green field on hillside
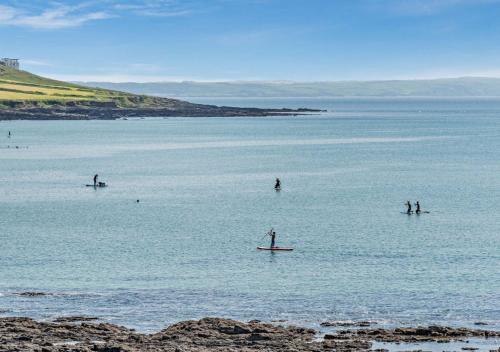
25, 96
24, 86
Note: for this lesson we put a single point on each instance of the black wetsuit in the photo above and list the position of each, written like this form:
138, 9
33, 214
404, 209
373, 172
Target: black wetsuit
95, 180
273, 239
408, 204
417, 210
278, 184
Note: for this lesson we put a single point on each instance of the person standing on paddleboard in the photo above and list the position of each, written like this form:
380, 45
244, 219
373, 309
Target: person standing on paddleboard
408, 204
278, 184
417, 205
272, 233
95, 179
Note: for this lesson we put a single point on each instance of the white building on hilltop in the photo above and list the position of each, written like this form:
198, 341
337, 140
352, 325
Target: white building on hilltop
12, 63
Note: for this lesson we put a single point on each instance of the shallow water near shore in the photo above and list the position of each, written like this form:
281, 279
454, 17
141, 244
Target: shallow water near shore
475, 344
187, 249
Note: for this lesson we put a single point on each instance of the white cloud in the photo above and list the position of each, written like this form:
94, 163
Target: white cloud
58, 16
6, 13
156, 8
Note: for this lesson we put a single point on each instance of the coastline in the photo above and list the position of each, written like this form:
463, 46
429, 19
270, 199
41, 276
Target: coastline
25, 96
110, 112
77, 333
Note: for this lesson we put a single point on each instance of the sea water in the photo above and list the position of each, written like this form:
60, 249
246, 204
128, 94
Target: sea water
187, 249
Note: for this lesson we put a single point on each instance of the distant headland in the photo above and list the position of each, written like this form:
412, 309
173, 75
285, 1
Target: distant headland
442, 87
25, 96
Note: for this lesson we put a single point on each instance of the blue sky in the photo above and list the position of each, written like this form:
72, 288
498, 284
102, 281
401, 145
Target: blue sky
301, 40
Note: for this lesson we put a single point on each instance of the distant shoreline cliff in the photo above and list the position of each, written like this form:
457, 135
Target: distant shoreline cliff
445, 87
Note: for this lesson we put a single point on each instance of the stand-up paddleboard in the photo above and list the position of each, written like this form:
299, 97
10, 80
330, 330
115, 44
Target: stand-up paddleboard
275, 248
277, 189
97, 186
412, 212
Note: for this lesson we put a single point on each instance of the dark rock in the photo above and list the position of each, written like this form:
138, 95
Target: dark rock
259, 337
32, 294
137, 107
348, 323
208, 334
234, 330
74, 319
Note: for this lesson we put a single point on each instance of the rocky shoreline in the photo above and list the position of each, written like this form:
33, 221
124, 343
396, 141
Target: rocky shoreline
211, 334
111, 111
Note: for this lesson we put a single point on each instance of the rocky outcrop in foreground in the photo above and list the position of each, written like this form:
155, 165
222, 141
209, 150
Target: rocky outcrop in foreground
209, 334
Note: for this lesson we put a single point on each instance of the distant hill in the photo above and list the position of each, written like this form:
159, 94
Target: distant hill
446, 87
24, 95
24, 88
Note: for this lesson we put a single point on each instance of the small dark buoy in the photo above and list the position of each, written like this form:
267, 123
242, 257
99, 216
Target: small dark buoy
137, 200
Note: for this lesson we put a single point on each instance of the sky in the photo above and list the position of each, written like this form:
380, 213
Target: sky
221, 40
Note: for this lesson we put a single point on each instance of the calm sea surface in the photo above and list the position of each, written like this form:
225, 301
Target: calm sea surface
205, 185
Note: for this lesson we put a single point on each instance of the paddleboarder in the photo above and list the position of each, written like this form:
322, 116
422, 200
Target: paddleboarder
417, 205
272, 233
95, 180
408, 204
277, 186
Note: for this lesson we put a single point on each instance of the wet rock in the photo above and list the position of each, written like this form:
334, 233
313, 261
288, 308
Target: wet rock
348, 323
32, 294
71, 319
209, 334
419, 334
481, 323
259, 337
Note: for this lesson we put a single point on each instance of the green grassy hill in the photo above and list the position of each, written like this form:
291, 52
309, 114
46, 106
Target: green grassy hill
22, 86
24, 95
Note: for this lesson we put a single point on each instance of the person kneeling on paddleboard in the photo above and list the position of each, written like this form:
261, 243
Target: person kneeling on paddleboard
278, 184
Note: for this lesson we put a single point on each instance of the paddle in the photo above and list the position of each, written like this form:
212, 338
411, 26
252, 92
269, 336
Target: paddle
267, 234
